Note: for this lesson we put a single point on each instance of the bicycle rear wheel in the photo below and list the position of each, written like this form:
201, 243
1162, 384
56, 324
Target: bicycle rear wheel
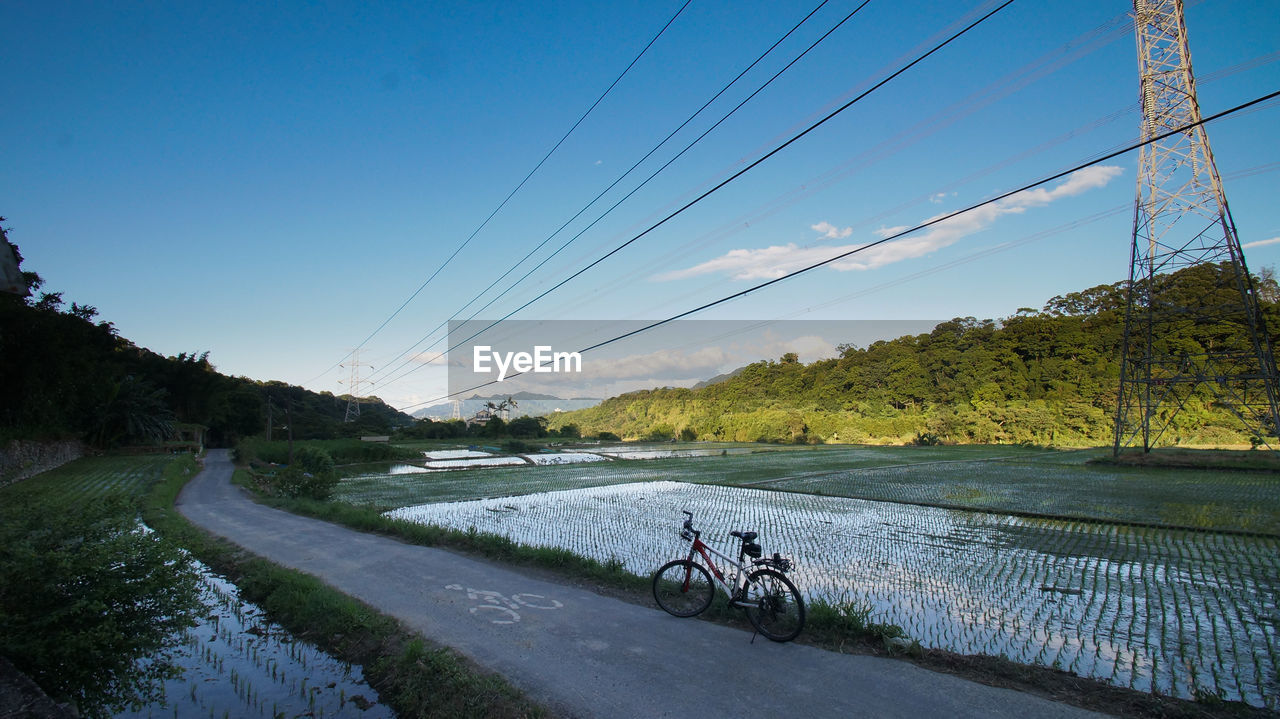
683, 588
774, 605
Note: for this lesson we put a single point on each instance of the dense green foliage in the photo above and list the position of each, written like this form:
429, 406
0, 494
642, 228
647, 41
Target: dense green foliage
89, 602
67, 375
306, 468
524, 427
340, 451
1047, 377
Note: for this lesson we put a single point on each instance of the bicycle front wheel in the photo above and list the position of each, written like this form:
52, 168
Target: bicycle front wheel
683, 588
774, 605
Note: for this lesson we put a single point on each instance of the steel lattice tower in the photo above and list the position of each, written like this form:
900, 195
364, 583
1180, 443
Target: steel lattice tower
353, 386
1185, 245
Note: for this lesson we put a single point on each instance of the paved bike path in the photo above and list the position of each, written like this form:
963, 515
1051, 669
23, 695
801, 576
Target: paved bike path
582, 654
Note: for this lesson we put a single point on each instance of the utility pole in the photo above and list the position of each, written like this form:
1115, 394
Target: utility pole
353, 386
1181, 222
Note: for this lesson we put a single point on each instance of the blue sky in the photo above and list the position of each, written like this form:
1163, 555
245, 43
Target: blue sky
270, 182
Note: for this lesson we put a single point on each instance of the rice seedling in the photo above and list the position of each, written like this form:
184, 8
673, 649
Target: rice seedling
236, 664
1112, 602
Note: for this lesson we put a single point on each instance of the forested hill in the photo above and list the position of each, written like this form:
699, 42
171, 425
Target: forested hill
1047, 377
64, 375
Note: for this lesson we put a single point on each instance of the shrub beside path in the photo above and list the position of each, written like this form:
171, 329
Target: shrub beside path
582, 654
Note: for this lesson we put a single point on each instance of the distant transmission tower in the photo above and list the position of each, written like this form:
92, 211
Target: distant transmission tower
353, 386
1181, 221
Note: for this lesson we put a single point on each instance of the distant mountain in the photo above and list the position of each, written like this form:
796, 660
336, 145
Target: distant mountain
537, 405
518, 396
719, 378
526, 403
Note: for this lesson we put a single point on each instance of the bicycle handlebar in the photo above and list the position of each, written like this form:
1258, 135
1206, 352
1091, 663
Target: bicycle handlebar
689, 533
777, 561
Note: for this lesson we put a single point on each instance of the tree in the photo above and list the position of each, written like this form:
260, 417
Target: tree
84, 599
1049, 376
527, 427
133, 411
1268, 287
495, 427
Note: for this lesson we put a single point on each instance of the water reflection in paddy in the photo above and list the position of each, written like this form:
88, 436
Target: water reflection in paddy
1145, 608
236, 663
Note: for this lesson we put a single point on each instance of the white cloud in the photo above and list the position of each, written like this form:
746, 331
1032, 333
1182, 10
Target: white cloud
703, 362
1260, 243
778, 260
830, 231
608, 376
810, 348
434, 358
891, 231
764, 263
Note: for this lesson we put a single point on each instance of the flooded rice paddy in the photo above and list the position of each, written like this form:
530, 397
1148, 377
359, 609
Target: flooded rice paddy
236, 663
1174, 611
453, 459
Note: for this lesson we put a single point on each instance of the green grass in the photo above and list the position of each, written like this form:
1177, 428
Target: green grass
414, 677
343, 451
371, 484
1220, 500
1185, 458
92, 478
1004, 479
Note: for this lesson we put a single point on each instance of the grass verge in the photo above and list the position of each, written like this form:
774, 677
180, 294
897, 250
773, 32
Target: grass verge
1183, 458
413, 676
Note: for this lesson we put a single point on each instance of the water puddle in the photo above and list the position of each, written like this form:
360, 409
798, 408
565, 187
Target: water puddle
474, 462
455, 454
672, 453
564, 458
236, 663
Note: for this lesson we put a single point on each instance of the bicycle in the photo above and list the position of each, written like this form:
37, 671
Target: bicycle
683, 587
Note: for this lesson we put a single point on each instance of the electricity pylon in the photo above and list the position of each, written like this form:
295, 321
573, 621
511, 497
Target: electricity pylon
1181, 221
353, 385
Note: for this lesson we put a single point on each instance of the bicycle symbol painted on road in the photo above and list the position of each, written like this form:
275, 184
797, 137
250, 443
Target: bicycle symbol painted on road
504, 606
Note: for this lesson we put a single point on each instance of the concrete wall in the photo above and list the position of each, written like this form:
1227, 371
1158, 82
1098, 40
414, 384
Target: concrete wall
22, 458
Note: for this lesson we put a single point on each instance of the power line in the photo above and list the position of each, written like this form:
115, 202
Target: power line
633, 167
517, 187
937, 220
1015, 80
821, 182
744, 170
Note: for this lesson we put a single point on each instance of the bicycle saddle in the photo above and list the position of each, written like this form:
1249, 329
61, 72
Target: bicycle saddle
744, 536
